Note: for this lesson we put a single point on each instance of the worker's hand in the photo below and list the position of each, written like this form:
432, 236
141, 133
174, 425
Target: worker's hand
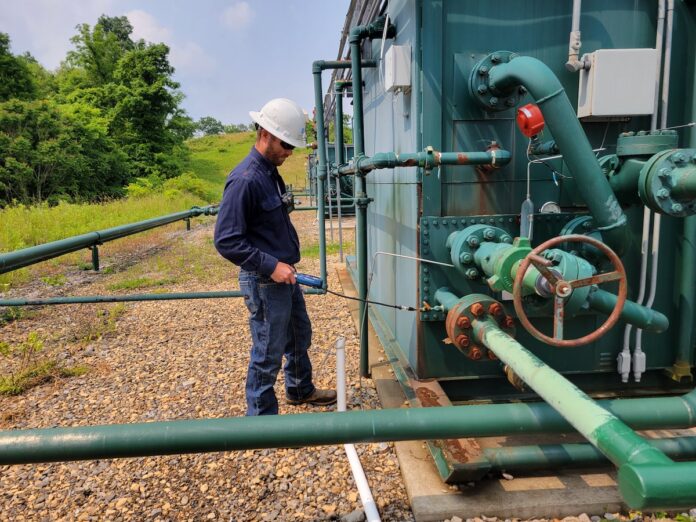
283, 273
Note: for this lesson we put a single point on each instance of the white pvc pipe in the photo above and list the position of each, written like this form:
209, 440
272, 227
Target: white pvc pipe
368, 502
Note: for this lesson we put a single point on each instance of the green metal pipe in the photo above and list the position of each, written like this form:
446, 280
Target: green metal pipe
570, 138
321, 168
687, 307
82, 299
632, 313
357, 34
29, 256
312, 429
647, 477
427, 159
554, 456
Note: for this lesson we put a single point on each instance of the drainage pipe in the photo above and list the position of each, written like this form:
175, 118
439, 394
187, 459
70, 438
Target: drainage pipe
647, 477
314, 429
322, 164
356, 468
561, 120
36, 254
82, 299
357, 35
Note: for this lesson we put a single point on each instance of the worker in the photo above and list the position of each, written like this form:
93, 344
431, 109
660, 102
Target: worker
254, 231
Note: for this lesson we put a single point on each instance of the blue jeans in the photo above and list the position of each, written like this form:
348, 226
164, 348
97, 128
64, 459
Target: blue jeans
279, 326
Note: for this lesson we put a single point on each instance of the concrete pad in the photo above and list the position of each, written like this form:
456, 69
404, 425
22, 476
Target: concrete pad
550, 494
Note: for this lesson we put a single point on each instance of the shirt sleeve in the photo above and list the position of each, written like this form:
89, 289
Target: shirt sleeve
231, 229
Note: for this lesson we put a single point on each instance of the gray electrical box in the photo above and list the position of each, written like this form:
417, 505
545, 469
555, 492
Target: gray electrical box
619, 82
397, 68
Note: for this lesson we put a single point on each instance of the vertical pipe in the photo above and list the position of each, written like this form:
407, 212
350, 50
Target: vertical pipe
361, 195
684, 358
321, 168
340, 159
368, 502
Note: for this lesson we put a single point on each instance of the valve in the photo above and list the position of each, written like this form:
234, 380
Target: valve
530, 120
562, 290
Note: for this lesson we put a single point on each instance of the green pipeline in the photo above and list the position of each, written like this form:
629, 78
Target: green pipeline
583, 455
29, 256
571, 140
357, 34
314, 429
83, 299
428, 160
647, 477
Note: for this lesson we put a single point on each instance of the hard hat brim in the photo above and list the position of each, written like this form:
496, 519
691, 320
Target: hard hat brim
257, 117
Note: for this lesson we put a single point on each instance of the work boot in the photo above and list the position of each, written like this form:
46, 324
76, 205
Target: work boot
316, 398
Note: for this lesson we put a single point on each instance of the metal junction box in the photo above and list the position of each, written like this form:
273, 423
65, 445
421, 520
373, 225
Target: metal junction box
619, 82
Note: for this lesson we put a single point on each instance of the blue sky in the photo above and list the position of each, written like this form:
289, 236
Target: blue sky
230, 56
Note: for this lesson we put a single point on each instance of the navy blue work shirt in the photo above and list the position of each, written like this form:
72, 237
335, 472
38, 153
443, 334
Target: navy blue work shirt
253, 228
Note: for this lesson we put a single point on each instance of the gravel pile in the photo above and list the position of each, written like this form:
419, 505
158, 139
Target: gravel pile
183, 360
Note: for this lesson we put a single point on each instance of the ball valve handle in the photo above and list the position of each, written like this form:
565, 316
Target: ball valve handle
563, 289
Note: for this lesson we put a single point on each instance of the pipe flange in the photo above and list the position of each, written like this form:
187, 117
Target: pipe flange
662, 180
644, 143
463, 243
461, 317
484, 93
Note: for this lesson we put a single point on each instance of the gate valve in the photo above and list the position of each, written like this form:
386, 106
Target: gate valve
530, 120
562, 289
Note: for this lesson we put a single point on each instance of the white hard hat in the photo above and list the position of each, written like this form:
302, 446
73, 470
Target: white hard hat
284, 119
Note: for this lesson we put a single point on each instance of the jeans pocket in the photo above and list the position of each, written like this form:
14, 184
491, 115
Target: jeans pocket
251, 298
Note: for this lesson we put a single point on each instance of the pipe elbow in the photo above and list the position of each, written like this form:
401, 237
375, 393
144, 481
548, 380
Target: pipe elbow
318, 66
529, 72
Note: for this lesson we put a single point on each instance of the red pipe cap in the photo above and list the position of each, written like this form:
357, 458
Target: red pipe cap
530, 120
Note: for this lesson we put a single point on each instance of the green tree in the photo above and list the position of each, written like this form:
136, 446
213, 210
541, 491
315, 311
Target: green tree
15, 77
208, 125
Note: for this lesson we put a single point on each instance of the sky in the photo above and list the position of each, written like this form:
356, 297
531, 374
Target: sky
230, 56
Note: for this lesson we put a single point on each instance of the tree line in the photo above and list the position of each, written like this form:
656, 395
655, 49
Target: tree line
111, 113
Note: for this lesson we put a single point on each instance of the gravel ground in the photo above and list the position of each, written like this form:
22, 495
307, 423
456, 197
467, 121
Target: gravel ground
181, 360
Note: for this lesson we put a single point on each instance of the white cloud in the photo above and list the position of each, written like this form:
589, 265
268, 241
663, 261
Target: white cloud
44, 27
237, 16
184, 56
145, 26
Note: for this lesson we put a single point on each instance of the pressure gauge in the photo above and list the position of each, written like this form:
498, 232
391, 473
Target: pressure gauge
550, 207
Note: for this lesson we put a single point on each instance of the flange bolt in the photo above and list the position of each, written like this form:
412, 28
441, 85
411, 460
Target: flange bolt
509, 322
506, 239
662, 193
466, 258
471, 273
483, 70
482, 89
462, 340
473, 241
463, 322
489, 234
477, 309
495, 309
677, 208
475, 353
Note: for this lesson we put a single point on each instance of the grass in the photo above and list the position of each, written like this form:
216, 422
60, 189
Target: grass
212, 157
141, 282
105, 323
312, 251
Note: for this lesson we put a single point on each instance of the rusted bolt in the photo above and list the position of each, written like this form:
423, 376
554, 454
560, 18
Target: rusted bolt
509, 322
492, 356
477, 309
475, 353
462, 340
463, 322
495, 309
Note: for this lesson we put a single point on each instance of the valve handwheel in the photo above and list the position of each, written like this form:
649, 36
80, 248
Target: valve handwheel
563, 289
